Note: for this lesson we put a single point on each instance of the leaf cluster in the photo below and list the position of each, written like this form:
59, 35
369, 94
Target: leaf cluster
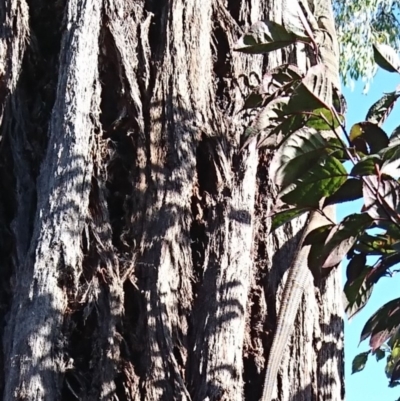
318, 163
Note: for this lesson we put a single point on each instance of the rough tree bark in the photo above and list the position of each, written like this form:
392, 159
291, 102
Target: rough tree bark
135, 258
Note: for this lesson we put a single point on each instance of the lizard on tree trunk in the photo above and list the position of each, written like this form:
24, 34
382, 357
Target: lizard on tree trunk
319, 16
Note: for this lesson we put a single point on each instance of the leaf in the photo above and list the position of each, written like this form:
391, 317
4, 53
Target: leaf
275, 83
339, 102
359, 362
386, 57
366, 166
264, 37
380, 110
281, 80
318, 235
342, 237
294, 21
395, 376
316, 238
297, 153
382, 324
357, 293
368, 137
391, 161
314, 92
349, 191
379, 354
323, 180
356, 266
394, 138
323, 119
381, 198
285, 216
253, 100
378, 244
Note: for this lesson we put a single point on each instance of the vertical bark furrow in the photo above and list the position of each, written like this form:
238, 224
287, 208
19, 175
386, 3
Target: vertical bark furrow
14, 31
105, 357
217, 362
34, 339
166, 249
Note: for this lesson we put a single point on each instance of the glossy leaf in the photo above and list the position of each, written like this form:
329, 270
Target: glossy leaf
349, 191
322, 119
321, 181
357, 293
285, 216
297, 153
366, 166
368, 137
386, 57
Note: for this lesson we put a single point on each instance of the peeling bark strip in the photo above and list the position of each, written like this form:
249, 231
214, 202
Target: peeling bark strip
33, 341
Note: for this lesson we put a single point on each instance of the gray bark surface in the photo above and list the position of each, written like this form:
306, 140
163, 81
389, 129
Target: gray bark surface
136, 259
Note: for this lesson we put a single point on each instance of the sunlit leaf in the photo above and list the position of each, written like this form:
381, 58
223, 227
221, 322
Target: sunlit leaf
285, 216
322, 180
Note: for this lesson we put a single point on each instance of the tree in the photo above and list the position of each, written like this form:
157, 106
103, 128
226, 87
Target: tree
136, 260
360, 25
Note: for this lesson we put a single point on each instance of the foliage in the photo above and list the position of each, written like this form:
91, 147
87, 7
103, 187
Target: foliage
311, 171
359, 25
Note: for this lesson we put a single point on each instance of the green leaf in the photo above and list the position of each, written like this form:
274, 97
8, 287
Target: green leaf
380, 110
296, 154
368, 137
264, 37
379, 354
323, 119
356, 266
318, 235
349, 191
321, 181
357, 292
342, 237
378, 244
386, 57
316, 238
382, 324
366, 166
359, 362
285, 216
275, 84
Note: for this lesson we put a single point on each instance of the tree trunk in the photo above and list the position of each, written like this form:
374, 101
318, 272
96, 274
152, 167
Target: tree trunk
136, 259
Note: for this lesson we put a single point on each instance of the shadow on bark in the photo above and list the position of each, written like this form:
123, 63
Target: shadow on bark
126, 223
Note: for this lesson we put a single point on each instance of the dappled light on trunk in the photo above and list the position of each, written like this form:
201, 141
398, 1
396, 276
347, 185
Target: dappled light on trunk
137, 262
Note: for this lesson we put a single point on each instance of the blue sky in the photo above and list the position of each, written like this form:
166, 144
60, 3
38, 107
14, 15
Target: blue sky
371, 384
